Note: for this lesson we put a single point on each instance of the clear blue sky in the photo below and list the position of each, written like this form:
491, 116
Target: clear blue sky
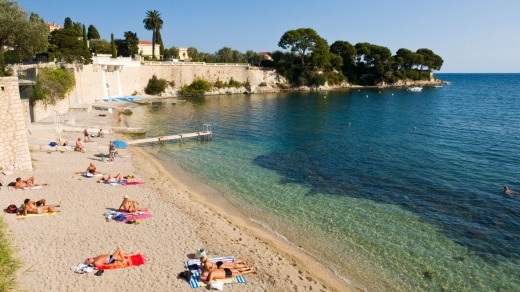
470, 35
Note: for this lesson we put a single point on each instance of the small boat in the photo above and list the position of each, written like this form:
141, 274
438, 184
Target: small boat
437, 86
414, 89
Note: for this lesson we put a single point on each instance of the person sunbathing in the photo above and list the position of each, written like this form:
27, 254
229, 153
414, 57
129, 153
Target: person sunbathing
118, 178
87, 136
131, 205
92, 169
101, 134
21, 184
79, 146
210, 276
31, 207
208, 265
105, 259
64, 143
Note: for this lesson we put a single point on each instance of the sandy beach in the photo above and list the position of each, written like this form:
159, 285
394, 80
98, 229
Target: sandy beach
186, 216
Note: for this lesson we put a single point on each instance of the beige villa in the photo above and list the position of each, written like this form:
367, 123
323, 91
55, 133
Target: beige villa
145, 49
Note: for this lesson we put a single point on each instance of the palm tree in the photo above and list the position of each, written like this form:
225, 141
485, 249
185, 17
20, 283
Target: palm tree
154, 23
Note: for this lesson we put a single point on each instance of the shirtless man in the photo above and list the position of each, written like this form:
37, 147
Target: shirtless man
105, 259
21, 184
79, 146
208, 277
101, 134
130, 205
38, 207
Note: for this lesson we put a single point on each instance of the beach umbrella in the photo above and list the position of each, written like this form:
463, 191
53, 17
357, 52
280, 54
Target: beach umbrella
120, 144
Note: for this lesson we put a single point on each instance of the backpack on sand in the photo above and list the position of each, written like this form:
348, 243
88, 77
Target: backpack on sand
11, 209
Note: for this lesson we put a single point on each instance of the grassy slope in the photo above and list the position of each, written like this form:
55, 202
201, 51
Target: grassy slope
8, 264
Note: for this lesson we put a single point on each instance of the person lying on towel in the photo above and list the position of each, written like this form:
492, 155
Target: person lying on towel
31, 207
208, 265
117, 179
131, 205
106, 259
21, 184
208, 277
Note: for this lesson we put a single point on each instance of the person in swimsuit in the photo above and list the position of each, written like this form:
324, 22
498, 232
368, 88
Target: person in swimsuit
38, 207
111, 151
21, 184
509, 191
105, 259
87, 136
208, 265
79, 146
210, 276
130, 205
92, 169
118, 178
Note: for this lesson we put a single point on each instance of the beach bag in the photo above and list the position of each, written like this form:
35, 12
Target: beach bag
53, 144
11, 209
120, 217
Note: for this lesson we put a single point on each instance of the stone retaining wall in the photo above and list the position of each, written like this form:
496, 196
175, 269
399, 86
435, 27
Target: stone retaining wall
14, 147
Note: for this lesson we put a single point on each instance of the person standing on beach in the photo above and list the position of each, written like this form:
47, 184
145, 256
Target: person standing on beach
111, 151
87, 136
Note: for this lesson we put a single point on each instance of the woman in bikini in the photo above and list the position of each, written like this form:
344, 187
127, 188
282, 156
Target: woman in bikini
131, 206
92, 169
208, 265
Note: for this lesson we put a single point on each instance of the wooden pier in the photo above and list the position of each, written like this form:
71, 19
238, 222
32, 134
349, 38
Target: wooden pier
205, 135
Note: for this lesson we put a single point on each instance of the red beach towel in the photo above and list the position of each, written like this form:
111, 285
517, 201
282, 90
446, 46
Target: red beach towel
131, 183
130, 260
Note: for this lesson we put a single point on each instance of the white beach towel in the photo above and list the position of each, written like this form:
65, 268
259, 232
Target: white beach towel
82, 268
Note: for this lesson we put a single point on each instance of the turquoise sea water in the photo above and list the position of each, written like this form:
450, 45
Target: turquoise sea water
405, 197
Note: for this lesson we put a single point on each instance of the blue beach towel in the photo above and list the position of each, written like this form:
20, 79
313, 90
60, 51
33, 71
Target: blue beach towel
193, 265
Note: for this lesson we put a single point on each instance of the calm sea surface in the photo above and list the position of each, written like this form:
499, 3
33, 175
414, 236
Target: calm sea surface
393, 190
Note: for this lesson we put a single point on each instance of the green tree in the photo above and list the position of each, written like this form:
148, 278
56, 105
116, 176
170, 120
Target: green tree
160, 42
170, 53
128, 46
113, 46
26, 36
348, 53
100, 46
193, 53
301, 40
252, 58
66, 46
153, 22
430, 59
78, 28
68, 23
92, 33
85, 41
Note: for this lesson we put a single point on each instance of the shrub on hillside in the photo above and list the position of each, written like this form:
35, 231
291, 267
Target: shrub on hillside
219, 84
155, 86
233, 83
198, 87
53, 84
